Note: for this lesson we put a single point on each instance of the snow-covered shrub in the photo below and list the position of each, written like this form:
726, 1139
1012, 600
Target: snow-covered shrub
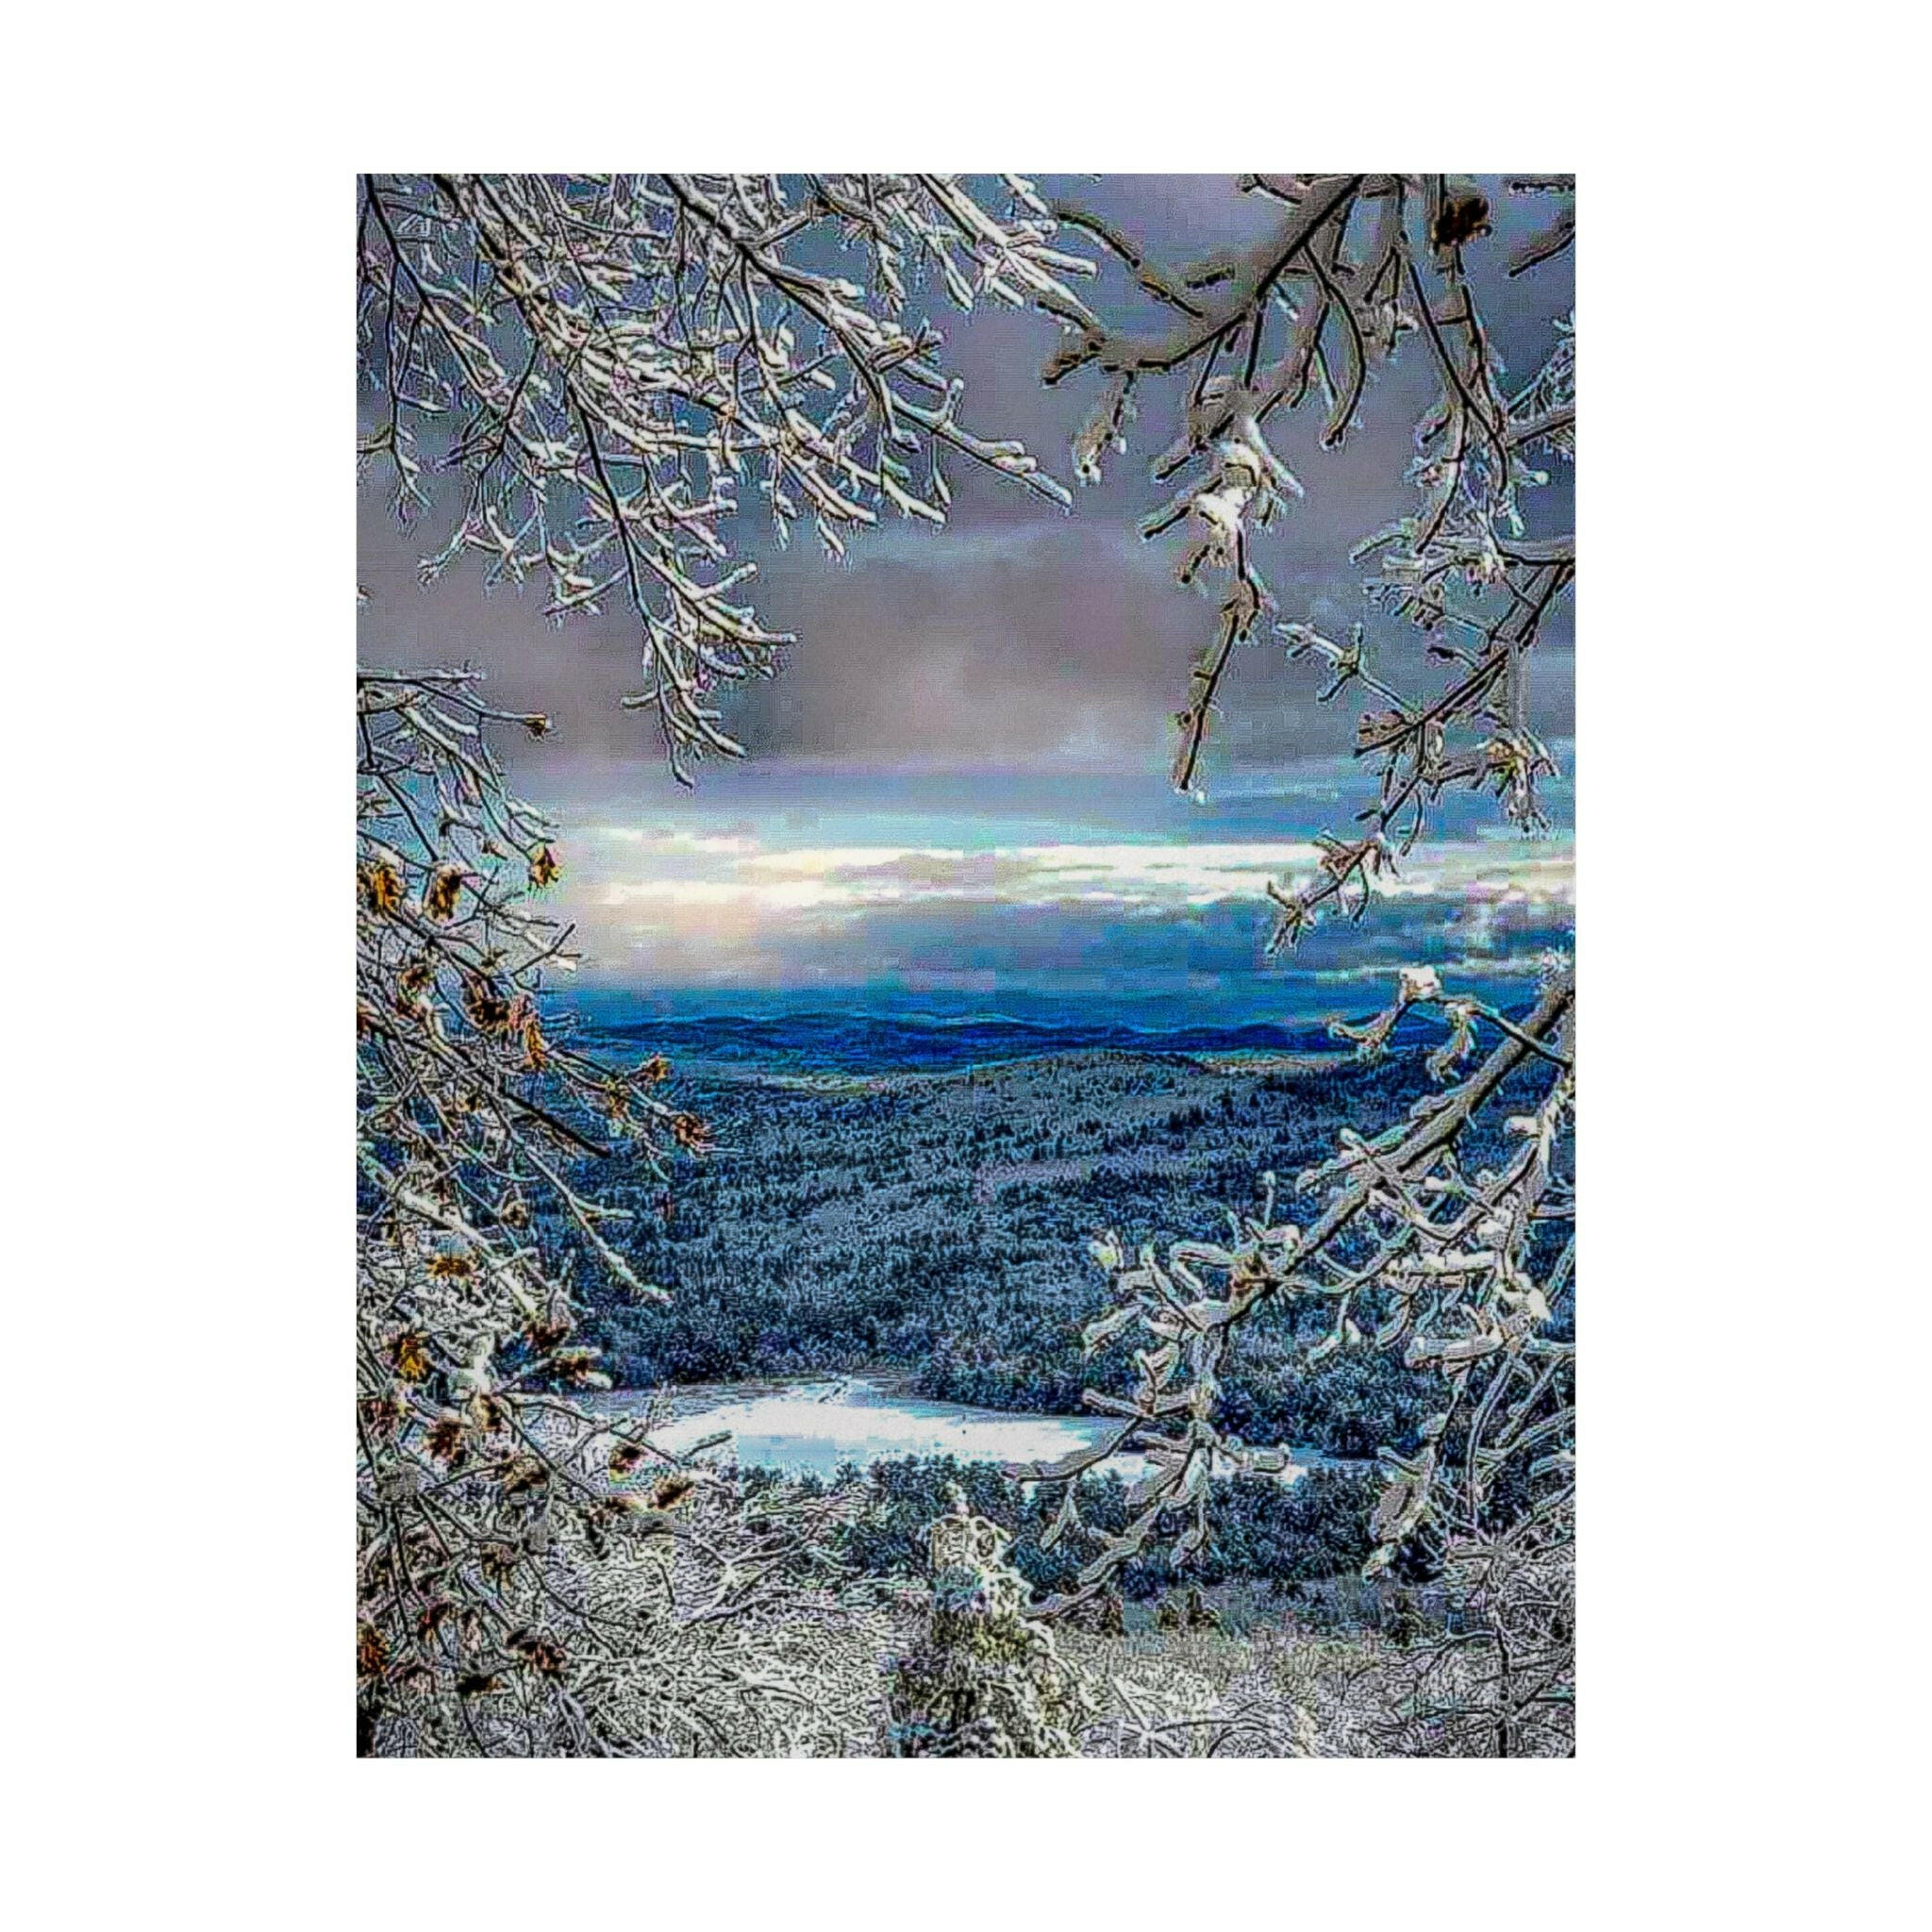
986, 1680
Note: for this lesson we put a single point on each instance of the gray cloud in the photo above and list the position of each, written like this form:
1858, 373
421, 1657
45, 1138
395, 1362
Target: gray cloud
673, 904
1018, 637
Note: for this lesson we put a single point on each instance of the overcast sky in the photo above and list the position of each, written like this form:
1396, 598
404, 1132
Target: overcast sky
956, 788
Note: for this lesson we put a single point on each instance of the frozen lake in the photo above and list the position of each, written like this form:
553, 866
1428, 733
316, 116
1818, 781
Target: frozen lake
811, 1428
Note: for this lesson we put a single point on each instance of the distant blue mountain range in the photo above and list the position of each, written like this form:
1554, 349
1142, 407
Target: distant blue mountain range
860, 1042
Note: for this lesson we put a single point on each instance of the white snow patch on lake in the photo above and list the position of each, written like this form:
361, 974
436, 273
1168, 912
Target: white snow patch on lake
814, 1428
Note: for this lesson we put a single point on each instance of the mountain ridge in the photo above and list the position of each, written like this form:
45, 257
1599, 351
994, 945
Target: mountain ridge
847, 1041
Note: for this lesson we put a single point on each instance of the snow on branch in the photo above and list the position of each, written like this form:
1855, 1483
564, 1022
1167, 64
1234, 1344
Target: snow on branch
614, 364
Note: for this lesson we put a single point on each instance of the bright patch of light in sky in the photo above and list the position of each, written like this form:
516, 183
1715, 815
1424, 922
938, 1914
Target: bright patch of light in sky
783, 899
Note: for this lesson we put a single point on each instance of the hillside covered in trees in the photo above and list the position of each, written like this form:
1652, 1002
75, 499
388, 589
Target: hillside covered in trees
905, 1208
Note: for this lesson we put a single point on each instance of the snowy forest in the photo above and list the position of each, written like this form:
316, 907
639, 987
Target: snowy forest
964, 809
